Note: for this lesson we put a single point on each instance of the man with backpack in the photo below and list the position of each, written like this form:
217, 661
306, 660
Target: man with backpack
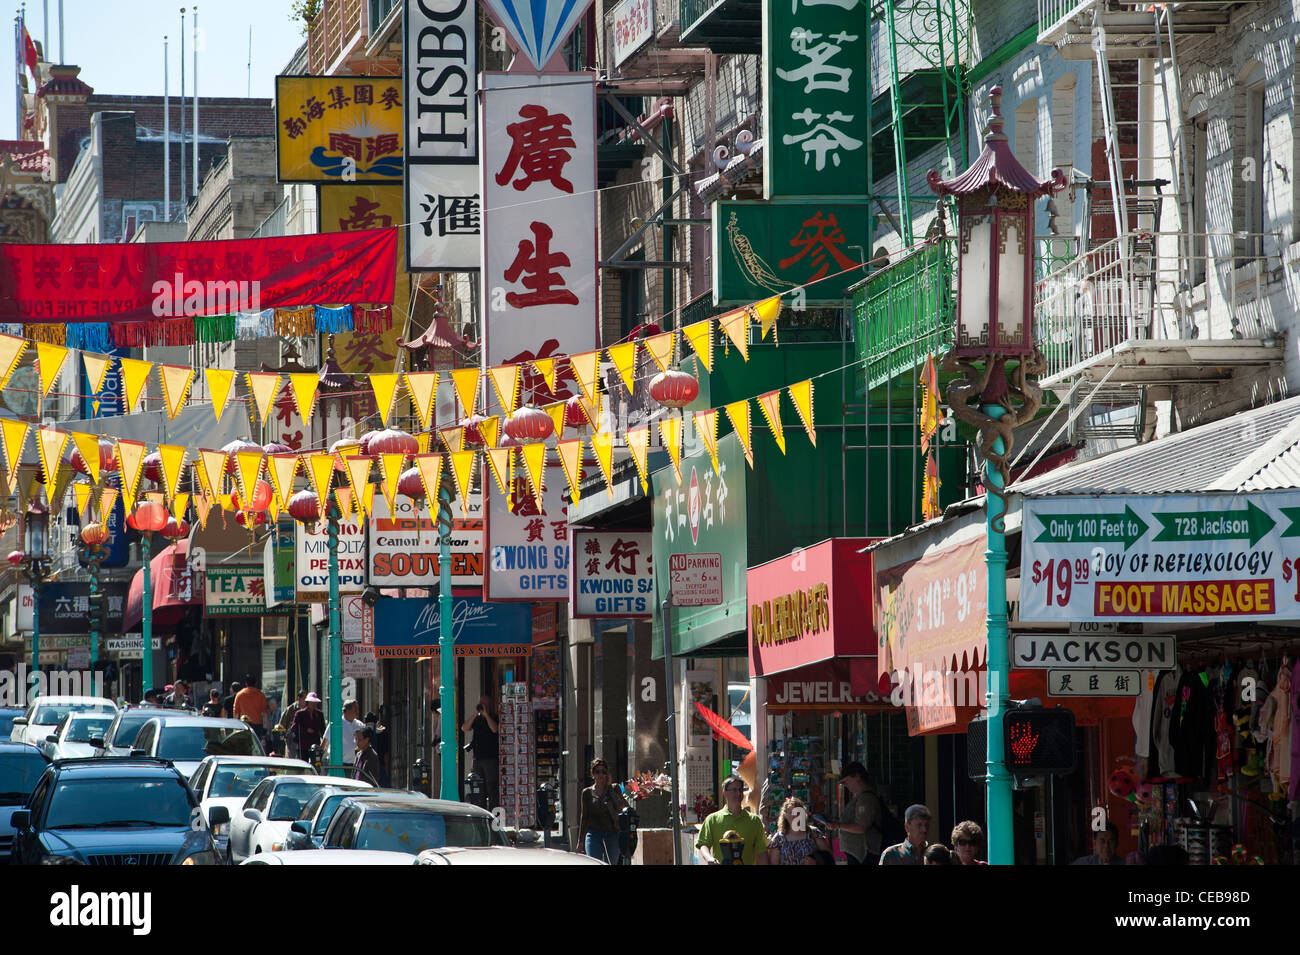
862, 823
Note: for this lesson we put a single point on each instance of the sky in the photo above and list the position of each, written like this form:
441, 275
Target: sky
119, 46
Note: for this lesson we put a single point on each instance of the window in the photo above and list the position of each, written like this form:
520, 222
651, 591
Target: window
414, 832
1248, 163
344, 830
144, 741
128, 726
290, 798
19, 773
1255, 188
1200, 146
114, 803
201, 780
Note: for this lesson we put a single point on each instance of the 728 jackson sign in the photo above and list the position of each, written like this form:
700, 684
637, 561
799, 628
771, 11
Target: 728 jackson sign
1166, 557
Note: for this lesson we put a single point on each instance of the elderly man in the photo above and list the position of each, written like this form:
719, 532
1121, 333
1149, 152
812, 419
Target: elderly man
911, 851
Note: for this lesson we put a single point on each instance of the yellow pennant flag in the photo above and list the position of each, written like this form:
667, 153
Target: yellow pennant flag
534, 455
87, 445
130, 455
487, 429
321, 472
248, 466
263, 386
81, 497
179, 503
430, 466
343, 497
556, 411
203, 507
585, 368
571, 459
107, 498
466, 382
135, 374
770, 404
51, 359
738, 412
462, 469
700, 336
227, 502
26, 477
212, 469
11, 349
670, 432
801, 395
499, 461
546, 368
453, 438
390, 468
171, 460
358, 473
66, 473
15, 436
505, 379
706, 426
767, 311
96, 370
221, 382
638, 442
422, 385
366, 501
661, 349
602, 442
385, 387
281, 469
624, 358
735, 325
176, 381
422, 442
591, 410
303, 386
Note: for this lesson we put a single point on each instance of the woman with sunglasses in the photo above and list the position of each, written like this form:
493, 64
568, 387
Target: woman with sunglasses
598, 815
966, 839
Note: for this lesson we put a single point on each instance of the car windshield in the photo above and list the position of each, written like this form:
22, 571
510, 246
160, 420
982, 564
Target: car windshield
19, 772
326, 813
85, 728
129, 725
414, 832
195, 742
119, 803
290, 798
49, 714
237, 780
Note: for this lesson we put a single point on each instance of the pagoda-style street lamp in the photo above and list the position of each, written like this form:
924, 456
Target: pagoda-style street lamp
995, 275
34, 561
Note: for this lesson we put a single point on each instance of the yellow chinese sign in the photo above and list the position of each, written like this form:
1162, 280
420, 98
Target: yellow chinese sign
338, 129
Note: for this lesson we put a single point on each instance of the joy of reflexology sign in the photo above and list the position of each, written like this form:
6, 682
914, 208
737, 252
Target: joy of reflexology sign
1166, 557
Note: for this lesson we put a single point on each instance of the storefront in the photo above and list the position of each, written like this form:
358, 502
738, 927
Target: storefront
176, 589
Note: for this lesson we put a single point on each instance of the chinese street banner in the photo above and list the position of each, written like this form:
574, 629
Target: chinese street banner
539, 235
338, 129
815, 91
1162, 558
442, 136
148, 281
766, 248
612, 574
528, 548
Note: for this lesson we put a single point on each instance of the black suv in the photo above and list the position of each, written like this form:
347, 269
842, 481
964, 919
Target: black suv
114, 812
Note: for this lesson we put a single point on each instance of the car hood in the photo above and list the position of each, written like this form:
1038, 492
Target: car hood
234, 803
186, 768
504, 855
86, 842
71, 751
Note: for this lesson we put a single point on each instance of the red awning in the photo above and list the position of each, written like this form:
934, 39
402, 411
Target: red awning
173, 585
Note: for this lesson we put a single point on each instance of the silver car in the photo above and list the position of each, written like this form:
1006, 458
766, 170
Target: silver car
72, 738
188, 740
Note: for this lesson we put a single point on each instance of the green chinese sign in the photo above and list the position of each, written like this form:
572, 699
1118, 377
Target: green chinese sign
815, 93
765, 248
704, 514
237, 592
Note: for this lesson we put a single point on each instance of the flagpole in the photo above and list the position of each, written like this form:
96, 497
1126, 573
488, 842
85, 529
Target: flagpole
18, 75
167, 141
185, 199
195, 24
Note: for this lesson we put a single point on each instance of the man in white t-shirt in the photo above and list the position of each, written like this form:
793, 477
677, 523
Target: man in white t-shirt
350, 725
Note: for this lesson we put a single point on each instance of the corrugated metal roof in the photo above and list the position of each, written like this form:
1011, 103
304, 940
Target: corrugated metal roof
1251, 450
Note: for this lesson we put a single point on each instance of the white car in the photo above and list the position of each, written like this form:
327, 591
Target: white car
262, 825
331, 857
188, 740
71, 739
43, 715
227, 781
502, 855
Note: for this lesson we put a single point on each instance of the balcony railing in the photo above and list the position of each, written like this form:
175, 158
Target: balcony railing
1129, 24
337, 29
724, 26
906, 311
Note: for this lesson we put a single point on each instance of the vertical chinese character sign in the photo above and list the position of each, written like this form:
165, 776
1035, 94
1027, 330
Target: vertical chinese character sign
815, 92
443, 198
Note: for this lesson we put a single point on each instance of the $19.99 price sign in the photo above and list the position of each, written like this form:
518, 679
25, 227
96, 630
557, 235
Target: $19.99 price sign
1165, 557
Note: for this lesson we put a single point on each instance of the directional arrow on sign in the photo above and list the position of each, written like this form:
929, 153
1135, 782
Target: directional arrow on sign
1292, 514
1187, 525
1109, 528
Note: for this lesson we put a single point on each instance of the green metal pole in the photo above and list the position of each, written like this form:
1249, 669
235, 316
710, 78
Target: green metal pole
449, 787
998, 780
336, 649
146, 622
94, 590
36, 622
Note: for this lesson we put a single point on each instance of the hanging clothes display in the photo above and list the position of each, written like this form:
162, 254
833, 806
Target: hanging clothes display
1192, 727
1276, 715
1294, 782
1161, 756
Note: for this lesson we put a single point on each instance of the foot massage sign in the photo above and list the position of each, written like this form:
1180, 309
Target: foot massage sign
1161, 557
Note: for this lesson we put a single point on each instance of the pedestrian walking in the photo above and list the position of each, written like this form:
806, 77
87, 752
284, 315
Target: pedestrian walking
485, 748
351, 725
733, 817
367, 763
966, 840
308, 726
286, 721
228, 701
911, 851
860, 826
213, 706
251, 702
598, 815
794, 839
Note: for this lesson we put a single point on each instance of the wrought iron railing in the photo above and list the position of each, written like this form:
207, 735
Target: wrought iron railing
332, 31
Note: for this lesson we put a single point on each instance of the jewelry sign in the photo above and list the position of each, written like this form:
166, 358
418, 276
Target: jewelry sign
1166, 557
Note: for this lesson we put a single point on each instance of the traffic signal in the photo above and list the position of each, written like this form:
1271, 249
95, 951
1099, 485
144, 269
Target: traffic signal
1038, 742
98, 617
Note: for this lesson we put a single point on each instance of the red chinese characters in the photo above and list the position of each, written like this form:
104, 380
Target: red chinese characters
540, 145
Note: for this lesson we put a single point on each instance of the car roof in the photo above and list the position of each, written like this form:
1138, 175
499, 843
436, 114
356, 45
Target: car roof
75, 699
348, 784
331, 857
418, 802
256, 761
189, 719
115, 766
8, 746
506, 855
11, 709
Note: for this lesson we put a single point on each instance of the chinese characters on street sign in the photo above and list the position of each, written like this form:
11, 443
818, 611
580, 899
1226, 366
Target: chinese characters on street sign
527, 553
338, 128
613, 574
634, 26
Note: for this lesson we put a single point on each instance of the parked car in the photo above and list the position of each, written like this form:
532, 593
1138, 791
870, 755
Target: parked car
331, 857
137, 812
44, 713
397, 823
186, 740
308, 830
21, 765
7, 716
227, 781
496, 855
71, 739
126, 725
262, 825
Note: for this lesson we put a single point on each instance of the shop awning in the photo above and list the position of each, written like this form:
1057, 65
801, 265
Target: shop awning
172, 584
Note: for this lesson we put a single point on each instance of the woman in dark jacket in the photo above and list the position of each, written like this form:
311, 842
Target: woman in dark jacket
598, 815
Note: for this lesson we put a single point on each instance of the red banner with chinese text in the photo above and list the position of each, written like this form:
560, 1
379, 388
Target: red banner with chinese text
153, 281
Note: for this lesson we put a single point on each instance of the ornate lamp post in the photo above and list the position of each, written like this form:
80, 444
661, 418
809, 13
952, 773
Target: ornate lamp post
148, 518
34, 561
995, 273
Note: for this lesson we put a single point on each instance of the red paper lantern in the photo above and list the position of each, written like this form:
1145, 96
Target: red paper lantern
94, 534
16, 557
174, 531
674, 388
233, 448
342, 449
148, 516
261, 498
529, 424
574, 416
152, 465
107, 459
392, 441
366, 439
304, 507
473, 436
258, 517
411, 484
